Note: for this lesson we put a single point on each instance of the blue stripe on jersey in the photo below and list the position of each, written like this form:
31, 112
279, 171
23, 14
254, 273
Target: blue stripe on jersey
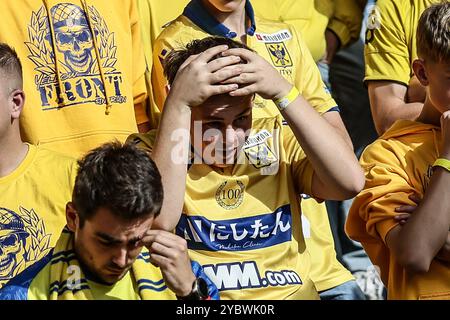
61, 287
145, 256
146, 284
148, 287
148, 281
241, 234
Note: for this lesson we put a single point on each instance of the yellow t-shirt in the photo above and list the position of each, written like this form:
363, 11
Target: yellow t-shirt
110, 62
251, 245
397, 165
276, 42
391, 39
311, 19
153, 16
33, 199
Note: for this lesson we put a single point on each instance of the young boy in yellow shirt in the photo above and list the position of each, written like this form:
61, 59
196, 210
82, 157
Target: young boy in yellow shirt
35, 183
412, 158
237, 203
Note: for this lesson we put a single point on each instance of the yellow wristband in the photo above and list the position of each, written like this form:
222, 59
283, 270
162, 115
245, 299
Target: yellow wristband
441, 162
282, 103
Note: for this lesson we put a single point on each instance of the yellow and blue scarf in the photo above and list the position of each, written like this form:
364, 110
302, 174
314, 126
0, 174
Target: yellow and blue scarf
65, 280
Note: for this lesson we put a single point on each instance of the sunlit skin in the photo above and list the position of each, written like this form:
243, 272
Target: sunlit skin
224, 5
438, 76
403, 240
9, 106
5, 112
107, 245
225, 122
12, 99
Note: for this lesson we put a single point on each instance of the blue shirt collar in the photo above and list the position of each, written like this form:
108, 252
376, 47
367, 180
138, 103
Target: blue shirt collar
197, 13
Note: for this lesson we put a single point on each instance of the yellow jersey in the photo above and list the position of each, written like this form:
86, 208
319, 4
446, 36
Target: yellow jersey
397, 165
72, 73
33, 202
150, 285
281, 45
391, 45
276, 42
251, 245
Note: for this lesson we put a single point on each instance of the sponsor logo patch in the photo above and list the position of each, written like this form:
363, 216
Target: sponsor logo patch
279, 36
245, 275
242, 234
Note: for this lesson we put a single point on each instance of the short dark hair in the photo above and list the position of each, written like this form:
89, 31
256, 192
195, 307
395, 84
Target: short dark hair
176, 57
433, 35
10, 63
118, 177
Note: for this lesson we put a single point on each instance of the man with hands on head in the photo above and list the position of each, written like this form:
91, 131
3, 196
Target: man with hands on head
408, 164
282, 45
257, 232
108, 249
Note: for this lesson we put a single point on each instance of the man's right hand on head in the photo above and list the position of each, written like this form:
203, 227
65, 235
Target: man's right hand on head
199, 77
169, 252
257, 76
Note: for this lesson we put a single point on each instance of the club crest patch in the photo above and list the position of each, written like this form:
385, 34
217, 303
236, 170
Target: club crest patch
257, 150
260, 156
279, 54
373, 24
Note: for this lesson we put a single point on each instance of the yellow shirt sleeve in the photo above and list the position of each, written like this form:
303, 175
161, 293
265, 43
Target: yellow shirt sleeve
301, 169
146, 27
139, 67
387, 56
144, 141
161, 48
346, 20
154, 14
308, 80
387, 187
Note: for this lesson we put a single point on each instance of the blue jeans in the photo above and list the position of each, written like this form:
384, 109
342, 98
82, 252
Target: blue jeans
347, 291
